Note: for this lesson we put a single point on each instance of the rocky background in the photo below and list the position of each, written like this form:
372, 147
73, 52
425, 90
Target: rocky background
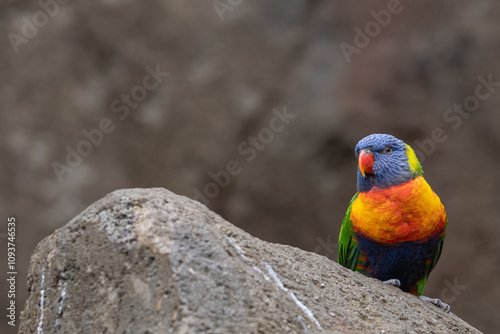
71, 68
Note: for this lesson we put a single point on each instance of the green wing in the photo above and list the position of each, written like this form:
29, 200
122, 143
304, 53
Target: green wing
432, 263
348, 245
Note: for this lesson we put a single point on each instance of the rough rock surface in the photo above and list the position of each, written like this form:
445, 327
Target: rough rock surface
150, 261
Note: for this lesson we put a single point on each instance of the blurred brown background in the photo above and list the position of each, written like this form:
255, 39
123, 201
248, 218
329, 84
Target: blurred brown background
230, 63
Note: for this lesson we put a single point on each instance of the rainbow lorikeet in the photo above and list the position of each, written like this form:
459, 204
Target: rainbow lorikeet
395, 225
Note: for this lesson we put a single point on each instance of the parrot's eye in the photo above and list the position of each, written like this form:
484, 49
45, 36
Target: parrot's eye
387, 150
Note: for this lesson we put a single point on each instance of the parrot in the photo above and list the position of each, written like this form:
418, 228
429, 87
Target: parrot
395, 224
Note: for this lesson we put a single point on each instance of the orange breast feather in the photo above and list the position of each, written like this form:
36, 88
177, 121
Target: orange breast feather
407, 212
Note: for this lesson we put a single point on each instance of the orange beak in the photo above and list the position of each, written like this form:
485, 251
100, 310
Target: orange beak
365, 161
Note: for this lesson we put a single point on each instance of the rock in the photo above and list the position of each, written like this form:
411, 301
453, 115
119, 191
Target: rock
150, 261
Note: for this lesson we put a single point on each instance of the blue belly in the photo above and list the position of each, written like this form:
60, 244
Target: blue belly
406, 261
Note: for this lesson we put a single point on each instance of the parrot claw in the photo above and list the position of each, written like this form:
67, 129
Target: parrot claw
436, 302
394, 281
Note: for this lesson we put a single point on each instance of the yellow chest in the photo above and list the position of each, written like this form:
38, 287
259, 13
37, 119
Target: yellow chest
407, 212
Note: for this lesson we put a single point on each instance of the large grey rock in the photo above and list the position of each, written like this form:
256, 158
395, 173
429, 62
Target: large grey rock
150, 261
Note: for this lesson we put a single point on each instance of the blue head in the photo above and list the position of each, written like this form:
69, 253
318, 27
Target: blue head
385, 161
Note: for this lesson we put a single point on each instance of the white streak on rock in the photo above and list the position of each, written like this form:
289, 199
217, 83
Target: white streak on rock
304, 326
238, 249
60, 304
257, 269
42, 302
304, 308
246, 259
